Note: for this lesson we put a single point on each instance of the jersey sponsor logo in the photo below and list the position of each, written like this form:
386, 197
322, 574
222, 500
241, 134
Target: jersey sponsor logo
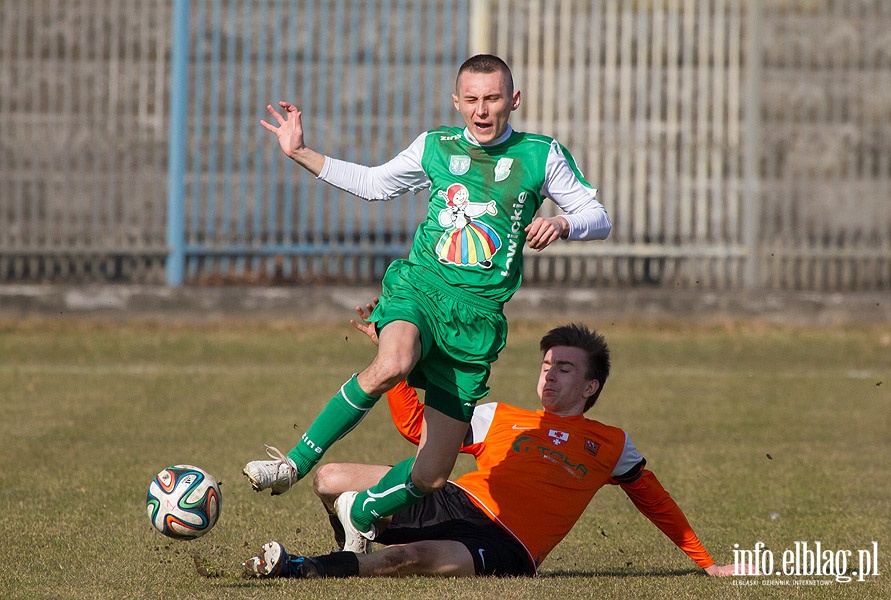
467, 241
516, 229
502, 168
591, 447
558, 437
459, 164
449, 138
525, 443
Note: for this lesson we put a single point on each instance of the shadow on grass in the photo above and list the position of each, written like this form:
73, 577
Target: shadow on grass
617, 573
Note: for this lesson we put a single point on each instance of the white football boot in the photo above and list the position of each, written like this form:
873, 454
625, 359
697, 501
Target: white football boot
278, 474
273, 561
267, 563
355, 541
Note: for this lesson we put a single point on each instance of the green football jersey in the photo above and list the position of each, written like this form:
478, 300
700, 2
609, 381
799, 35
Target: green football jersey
481, 200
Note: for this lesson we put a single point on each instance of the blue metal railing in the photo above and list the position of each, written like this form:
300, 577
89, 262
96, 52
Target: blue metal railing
179, 95
371, 75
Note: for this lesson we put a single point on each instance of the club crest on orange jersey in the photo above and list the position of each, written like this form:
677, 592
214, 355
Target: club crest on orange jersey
591, 447
558, 437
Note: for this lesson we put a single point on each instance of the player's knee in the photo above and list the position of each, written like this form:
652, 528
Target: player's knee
385, 372
328, 480
428, 483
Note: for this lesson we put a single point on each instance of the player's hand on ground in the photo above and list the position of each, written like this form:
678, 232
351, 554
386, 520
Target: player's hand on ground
362, 323
289, 130
729, 570
542, 232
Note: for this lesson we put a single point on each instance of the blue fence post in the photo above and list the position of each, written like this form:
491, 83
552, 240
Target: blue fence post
176, 167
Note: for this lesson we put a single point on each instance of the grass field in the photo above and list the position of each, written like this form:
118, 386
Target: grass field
761, 433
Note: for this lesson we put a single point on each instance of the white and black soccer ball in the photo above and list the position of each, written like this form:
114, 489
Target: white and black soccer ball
184, 502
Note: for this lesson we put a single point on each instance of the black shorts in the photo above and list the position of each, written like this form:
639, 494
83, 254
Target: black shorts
448, 514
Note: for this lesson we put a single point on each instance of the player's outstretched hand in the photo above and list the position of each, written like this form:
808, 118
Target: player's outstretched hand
729, 570
289, 130
362, 324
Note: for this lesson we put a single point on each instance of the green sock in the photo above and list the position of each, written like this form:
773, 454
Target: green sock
342, 413
391, 494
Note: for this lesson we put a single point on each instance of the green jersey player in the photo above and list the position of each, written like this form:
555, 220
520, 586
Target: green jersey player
440, 321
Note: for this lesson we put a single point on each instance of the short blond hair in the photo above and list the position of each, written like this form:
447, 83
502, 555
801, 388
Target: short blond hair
487, 63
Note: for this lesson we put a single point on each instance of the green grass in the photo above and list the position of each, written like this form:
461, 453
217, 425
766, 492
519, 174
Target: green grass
761, 433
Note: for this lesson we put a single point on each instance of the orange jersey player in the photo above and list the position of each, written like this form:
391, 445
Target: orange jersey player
536, 473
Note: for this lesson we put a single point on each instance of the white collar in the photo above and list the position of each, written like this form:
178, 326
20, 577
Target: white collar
500, 139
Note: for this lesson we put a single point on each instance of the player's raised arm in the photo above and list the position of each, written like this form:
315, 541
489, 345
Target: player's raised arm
290, 137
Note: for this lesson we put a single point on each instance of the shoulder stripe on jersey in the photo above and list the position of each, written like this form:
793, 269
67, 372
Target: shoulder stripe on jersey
480, 422
632, 474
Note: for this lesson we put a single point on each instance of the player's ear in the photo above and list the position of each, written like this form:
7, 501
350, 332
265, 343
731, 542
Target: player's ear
516, 100
455, 102
592, 388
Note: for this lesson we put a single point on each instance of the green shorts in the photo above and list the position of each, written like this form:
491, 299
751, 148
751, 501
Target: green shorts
461, 336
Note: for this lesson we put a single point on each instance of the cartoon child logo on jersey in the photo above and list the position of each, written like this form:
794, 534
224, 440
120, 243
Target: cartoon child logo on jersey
471, 243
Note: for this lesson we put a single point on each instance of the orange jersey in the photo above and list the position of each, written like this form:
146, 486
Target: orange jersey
537, 472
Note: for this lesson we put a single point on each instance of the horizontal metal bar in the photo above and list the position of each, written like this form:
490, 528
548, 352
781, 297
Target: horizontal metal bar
70, 251
294, 250
593, 250
827, 253
605, 249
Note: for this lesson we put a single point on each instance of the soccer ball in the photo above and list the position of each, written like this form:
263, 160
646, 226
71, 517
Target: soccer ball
183, 502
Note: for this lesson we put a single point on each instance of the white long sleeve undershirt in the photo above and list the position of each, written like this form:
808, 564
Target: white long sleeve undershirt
587, 218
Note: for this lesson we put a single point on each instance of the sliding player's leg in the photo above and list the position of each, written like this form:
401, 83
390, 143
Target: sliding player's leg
442, 558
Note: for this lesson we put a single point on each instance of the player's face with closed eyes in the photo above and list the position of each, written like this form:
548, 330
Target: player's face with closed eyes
563, 385
485, 102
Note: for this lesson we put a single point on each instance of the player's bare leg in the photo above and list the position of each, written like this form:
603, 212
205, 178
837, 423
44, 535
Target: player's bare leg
399, 349
441, 439
442, 558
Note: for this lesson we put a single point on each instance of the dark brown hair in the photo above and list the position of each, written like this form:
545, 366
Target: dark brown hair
594, 346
